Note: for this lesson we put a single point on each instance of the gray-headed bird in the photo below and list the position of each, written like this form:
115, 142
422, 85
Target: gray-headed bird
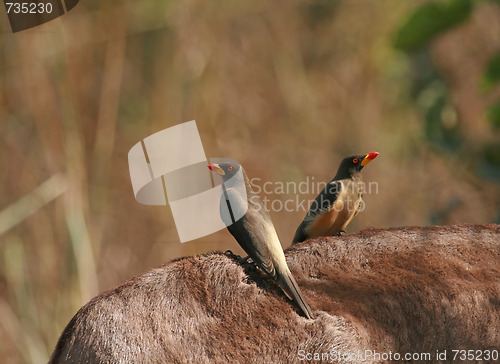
254, 231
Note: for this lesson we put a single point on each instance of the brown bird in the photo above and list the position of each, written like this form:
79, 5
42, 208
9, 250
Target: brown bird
255, 231
338, 203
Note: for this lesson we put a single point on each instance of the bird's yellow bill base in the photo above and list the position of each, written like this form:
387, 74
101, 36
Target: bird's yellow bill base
368, 158
216, 168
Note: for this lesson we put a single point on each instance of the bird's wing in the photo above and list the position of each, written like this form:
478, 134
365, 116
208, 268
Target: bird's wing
322, 203
250, 232
325, 199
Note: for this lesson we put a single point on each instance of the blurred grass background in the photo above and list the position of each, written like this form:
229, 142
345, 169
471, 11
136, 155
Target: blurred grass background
288, 88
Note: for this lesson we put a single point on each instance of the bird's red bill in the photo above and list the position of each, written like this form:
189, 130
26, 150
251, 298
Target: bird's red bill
369, 157
216, 168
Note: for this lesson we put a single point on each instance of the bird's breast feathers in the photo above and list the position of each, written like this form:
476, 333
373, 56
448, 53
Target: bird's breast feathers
339, 213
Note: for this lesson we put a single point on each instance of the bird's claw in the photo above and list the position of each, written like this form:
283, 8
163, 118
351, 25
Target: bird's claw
339, 233
230, 254
244, 260
239, 259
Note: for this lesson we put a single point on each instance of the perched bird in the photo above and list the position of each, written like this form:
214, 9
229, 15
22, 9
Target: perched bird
254, 231
338, 203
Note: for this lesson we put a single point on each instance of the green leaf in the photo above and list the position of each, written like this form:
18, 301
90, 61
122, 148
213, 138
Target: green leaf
494, 116
492, 73
430, 20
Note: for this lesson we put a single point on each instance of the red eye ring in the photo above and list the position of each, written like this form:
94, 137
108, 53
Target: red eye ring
355, 160
229, 168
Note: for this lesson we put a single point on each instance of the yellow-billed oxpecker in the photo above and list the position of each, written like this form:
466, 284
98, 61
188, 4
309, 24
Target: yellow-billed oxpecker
338, 202
254, 231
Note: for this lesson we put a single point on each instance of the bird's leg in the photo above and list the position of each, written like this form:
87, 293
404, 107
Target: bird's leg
248, 263
339, 233
238, 258
244, 260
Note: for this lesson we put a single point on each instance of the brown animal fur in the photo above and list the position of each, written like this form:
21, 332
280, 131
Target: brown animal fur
400, 290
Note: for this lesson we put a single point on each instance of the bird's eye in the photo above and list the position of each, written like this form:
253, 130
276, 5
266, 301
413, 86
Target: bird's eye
229, 168
355, 160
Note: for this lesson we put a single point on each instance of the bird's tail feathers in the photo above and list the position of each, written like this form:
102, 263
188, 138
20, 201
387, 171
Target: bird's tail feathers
300, 234
292, 290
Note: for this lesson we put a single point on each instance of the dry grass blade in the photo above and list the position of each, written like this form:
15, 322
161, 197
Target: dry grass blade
49, 190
